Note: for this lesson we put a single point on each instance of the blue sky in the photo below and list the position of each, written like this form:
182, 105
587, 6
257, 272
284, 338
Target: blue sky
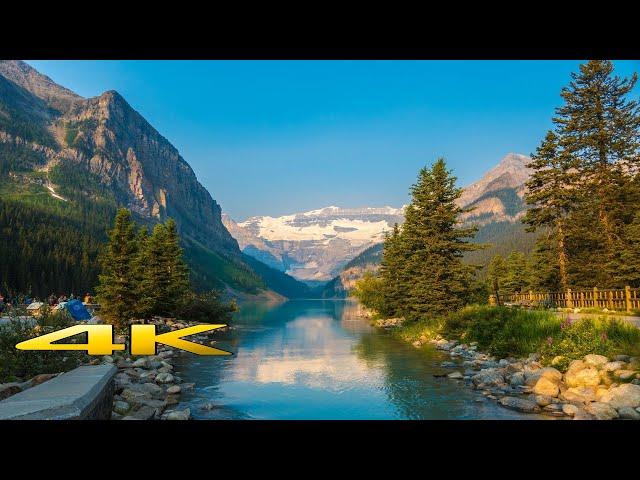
277, 137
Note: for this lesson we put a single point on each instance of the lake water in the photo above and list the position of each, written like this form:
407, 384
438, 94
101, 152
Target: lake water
316, 359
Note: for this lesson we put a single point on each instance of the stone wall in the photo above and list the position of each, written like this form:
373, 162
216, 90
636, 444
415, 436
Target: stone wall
85, 393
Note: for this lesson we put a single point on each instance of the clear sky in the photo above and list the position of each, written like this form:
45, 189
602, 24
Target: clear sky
277, 137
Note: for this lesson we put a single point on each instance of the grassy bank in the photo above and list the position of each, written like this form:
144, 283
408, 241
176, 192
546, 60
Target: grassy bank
506, 332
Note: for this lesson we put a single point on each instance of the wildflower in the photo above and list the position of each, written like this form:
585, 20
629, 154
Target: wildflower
603, 336
549, 340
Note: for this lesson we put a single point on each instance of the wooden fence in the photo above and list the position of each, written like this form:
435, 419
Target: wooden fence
613, 299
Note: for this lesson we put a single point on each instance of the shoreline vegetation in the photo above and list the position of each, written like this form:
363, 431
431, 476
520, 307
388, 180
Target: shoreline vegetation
534, 361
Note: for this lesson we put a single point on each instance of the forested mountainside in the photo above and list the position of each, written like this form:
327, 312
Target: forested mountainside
67, 163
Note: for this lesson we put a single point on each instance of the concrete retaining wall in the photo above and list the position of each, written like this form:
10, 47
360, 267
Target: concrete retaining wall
85, 393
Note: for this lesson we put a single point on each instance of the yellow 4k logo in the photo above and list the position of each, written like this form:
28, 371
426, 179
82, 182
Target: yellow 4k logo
143, 340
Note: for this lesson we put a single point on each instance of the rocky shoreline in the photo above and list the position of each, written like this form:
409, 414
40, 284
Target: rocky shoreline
145, 387
148, 388
593, 388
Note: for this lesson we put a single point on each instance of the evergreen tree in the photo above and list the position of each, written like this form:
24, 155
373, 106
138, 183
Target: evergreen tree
434, 244
550, 189
495, 274
391, 274
154, 283
116, 290
545, 271
164, 274
628, 272
600, 128
177, 270
516, 279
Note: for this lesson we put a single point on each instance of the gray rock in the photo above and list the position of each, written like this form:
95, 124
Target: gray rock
143, 413
626, 395
489, 376
164, 378
121, 407
520, 404
628, 413
140, 363
173, 389
602, 411
455, 376
177, 415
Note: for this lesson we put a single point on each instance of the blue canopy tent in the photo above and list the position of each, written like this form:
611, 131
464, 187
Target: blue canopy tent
77, 310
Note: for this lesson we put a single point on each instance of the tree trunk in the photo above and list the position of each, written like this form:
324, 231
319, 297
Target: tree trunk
562, 257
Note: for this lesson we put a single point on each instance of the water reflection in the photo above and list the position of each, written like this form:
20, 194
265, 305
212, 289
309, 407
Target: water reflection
318, 360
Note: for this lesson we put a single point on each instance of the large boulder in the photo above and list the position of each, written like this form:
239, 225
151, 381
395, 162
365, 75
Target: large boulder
516, 379
602, 411
489, 376
628, 413
547, 387
626, 395
613, 366
595, 360
586, 377
624, 374
579, 395
520, 404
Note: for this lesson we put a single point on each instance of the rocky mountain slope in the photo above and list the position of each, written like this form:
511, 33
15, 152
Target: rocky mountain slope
320, 244
112, 145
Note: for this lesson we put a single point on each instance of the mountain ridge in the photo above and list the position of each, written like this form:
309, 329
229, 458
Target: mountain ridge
46, 128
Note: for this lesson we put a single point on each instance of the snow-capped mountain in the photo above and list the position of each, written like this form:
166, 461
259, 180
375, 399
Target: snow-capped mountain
314, 246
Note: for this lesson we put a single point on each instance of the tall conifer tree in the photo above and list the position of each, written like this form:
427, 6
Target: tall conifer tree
434, 244
551, 191
116, 290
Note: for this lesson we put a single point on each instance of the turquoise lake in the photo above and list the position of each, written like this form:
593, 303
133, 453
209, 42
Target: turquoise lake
317, 359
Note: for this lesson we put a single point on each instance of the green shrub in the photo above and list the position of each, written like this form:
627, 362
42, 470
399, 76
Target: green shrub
20, 365
205, 307
501, 331
600, 336
368, 291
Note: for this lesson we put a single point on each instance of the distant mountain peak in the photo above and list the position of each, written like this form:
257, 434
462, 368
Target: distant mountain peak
24, 75
511, 172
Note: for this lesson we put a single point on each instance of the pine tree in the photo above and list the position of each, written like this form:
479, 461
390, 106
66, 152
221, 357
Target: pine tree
116, 291
516, 279
600, 128
154, 283
391, 270
495, 274
628, 272
177, 270
550, 189
434, 244
164, 274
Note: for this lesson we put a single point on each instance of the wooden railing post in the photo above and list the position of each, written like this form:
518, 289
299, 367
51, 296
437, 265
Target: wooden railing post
595, 297
627, 297
569, 299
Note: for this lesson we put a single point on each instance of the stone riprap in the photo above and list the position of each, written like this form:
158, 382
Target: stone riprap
593, 388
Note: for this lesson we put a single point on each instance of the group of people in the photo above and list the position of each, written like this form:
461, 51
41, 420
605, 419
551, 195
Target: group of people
52, 300
7, 301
